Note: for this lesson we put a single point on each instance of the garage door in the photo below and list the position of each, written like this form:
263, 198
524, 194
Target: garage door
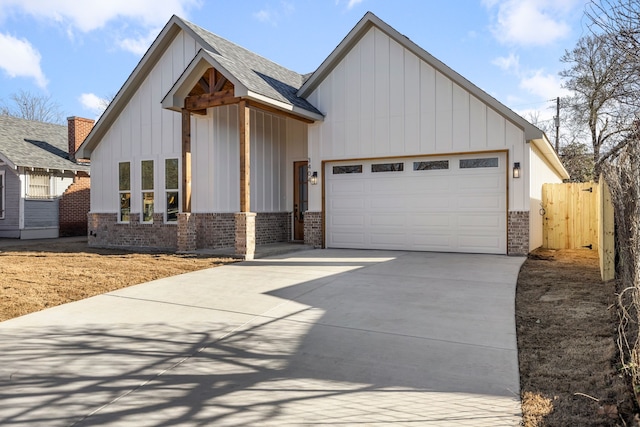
448, 204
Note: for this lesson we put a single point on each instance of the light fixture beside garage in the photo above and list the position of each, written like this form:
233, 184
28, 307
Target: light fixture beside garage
516, 170
314, 178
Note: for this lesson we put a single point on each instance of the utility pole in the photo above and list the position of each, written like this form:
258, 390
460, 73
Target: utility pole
557, 119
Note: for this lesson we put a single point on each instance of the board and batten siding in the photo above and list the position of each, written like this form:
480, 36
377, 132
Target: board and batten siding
142, 131
215, 157
146, 131
382, 100
541, 173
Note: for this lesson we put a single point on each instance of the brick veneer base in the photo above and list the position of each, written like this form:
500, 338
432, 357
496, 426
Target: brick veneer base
245, 234
273, 227
313, 229
212, 231
105, 231
215, 230
518, 233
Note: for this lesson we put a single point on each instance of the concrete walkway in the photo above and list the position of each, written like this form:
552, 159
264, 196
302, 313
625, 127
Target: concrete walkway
318, 337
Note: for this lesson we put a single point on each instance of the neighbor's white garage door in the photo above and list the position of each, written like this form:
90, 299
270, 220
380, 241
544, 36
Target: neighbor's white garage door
450, 204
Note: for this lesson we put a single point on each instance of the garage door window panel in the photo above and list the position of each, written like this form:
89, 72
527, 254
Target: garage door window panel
341, 170
489, 162
387, 167
431, 165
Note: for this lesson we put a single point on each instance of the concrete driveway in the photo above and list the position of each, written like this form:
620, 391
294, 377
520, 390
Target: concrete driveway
318, 337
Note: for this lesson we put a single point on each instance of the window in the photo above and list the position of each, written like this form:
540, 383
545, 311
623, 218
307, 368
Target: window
39, 185
124, 190
338, 170
387, 167
147, 190
489, 162
171, 179
2, 194
431, 165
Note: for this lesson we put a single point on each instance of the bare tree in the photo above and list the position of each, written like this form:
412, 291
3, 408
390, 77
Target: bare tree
598, 107
619, 22
29, 106
576, 156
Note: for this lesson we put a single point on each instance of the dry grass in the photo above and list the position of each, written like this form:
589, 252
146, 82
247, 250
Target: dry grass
37, 277
566, 323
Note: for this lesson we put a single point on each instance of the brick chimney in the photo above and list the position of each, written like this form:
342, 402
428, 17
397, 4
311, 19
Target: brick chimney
78, 129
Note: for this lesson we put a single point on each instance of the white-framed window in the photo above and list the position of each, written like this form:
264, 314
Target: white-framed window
124, 190
38, 185
2, 191
171, 185
146, 174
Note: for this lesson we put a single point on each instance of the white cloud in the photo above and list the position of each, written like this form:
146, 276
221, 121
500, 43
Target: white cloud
87, 16
353, 3
543, 84
139, 45
509, 63
271, 15
20, 59
530, 22
264, 16
93, 103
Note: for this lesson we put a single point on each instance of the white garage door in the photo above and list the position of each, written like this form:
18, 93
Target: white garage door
448, 204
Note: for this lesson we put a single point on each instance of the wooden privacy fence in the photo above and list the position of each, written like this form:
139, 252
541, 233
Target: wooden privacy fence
580, 216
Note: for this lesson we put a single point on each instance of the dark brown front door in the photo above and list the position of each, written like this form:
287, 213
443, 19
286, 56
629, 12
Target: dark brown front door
300, 198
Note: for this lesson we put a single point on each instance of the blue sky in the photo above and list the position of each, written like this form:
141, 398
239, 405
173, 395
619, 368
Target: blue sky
79, 51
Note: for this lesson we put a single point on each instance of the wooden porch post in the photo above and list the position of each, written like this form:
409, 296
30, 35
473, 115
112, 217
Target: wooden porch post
244, 119
245, 220
186, 222
186, 161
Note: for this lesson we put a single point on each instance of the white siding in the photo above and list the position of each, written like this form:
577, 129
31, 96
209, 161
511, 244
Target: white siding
384, 101
268, 156
143, 131
541, 173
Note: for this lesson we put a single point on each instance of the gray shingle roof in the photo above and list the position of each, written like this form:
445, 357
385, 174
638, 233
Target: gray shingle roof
255, 72
34, 144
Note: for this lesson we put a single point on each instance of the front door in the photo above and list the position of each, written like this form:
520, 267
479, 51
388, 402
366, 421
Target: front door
300, 198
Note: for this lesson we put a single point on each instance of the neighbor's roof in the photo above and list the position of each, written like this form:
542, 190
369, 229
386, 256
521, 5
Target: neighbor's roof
269, 82
31, 144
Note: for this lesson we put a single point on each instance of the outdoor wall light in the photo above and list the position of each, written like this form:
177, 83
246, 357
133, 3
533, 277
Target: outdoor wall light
314, 178
516, 170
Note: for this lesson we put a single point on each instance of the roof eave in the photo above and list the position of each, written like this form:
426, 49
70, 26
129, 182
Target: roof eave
137, 76
544, 146
174, 99
290, 108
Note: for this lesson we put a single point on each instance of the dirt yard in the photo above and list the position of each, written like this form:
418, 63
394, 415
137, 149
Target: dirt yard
566, 319
566, 324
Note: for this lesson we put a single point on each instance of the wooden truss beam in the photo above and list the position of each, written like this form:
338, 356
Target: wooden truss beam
208, 100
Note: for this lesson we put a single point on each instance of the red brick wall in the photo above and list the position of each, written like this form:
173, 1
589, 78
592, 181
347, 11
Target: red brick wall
78, 128
74, 207
518, 233
313, 229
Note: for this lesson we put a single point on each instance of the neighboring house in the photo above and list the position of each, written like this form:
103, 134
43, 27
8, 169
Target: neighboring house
44, 191
209, 145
